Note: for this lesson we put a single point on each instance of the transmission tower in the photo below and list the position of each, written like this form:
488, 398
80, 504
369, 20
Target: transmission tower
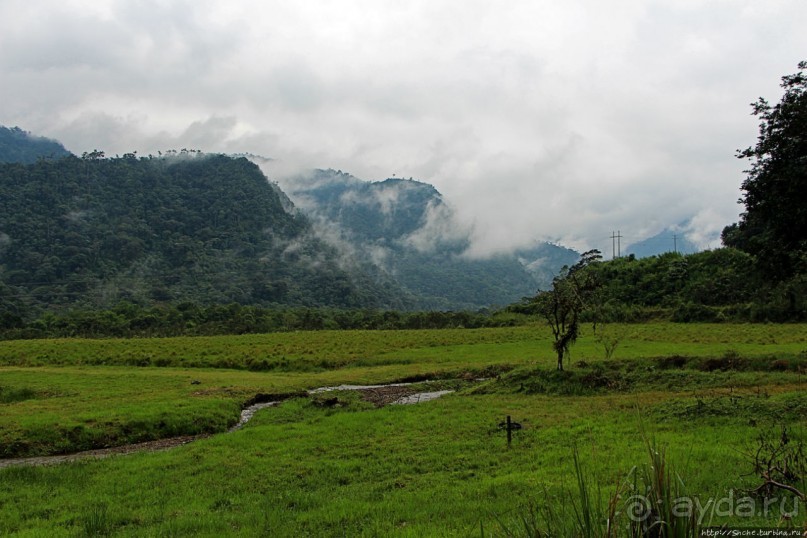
616, 244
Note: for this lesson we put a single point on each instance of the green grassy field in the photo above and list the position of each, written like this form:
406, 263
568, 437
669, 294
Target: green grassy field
442, 468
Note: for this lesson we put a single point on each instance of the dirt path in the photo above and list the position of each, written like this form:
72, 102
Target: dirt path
148, 446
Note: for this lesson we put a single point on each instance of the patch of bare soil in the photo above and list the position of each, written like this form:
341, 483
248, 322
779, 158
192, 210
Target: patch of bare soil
381, 396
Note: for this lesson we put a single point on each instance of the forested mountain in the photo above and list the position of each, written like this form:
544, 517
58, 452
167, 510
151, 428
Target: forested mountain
407, 230
93, 231
18, 146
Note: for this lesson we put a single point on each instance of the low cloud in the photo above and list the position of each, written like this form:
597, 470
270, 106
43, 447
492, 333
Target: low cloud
535, 120
441, 229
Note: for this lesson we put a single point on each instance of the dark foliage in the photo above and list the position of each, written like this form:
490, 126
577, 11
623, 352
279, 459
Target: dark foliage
191, 319
774, 225
18, 146
711, 286
93, 231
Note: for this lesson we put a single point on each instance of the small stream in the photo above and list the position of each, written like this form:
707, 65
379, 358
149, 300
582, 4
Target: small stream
358, 387
421, 397
246, 415
248, 412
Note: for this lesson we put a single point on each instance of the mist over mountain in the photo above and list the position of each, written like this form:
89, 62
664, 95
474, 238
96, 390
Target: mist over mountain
544, 260
409, 231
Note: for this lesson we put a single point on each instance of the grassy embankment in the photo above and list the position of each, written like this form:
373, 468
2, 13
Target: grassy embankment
441, 468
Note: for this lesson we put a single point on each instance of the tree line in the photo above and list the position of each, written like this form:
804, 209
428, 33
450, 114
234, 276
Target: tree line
721, 285
127, 320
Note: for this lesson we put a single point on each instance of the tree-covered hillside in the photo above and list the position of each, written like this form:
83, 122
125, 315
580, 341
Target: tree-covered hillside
406, 229
92, 231
712, 278
714, 285
385, 211
18, 146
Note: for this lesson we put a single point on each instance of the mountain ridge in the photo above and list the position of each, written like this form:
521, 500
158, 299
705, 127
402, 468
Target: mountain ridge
213, 228
406, 228
204, 228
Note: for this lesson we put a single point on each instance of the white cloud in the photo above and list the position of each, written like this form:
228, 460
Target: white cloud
564, 120
440, 229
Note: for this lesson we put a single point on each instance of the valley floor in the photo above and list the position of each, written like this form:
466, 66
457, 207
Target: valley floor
334, 464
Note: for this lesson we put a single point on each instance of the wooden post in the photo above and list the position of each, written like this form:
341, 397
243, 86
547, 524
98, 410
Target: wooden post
509, 425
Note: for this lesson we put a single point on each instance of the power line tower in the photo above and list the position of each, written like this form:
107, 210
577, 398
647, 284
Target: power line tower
616, 244
675, 243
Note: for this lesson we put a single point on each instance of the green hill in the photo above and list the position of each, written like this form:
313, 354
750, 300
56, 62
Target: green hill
94, 231
709, 286
18, 146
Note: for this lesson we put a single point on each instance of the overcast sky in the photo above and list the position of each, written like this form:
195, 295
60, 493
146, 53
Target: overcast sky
536, 119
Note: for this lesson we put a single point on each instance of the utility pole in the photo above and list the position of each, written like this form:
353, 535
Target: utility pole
616, 244
613, 246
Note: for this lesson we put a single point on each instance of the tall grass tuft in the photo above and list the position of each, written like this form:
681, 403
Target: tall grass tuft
659, 506
96, 522
575, 513
649, 503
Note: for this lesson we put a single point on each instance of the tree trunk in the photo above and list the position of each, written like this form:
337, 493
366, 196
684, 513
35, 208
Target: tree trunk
560, 361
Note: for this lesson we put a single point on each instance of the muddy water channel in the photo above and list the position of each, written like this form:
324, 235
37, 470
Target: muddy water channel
391, 394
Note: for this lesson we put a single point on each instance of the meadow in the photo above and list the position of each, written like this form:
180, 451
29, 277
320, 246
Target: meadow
706, 394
